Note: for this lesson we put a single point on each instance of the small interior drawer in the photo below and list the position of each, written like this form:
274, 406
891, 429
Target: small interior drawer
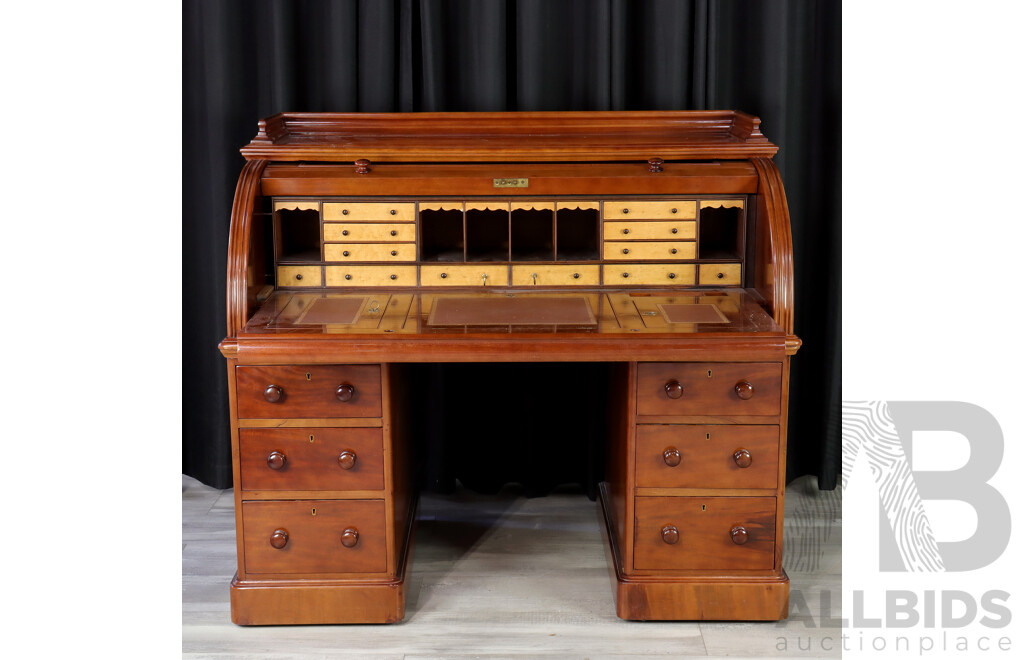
370, 275
311, 459
578, 275
649, 274
461, 275
687, 533
661, 210
310, 534
369, 212
661, 250
707, 456
338, 232
719, 274
709, 388
370, 252
639, 231
299, 276
308, 391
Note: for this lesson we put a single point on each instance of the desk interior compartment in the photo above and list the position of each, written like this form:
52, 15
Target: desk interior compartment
577, 234
442, 235
298, 235
487, 235
721, 233
533, 235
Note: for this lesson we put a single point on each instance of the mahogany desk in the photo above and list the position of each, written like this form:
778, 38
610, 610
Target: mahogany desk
657, 242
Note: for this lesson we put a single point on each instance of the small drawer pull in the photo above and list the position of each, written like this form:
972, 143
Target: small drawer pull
345, 253
625, 250
298, 276
669, 534
273, 393
394, 233
276, 460
671, 276
675, 230
394, 277
444, 275
575, 276
625, 210
721, 276
394, 253
672, 456
625, 274
279, 538
344, 232
739, 534
742, 458
673, 250
675, 210
625, 231
350, 537
345, 392
673, 389
348, 276
393, 211
347, 460
744, 390
344, 211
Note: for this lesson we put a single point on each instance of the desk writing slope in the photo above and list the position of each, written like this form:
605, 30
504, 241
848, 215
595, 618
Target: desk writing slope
362, 244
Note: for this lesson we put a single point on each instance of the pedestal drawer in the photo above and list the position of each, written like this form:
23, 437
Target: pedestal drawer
682, 533
314, 536
711, 388
311, 459
314, 391
707, 456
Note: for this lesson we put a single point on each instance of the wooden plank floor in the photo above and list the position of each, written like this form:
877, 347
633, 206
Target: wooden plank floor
500, 576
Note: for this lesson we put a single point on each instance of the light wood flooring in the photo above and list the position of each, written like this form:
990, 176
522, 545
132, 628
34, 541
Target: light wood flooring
503, 576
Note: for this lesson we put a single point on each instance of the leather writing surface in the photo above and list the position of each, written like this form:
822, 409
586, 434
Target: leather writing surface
511, 311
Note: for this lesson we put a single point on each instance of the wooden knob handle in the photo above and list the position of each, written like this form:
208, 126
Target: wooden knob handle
362, 166
669, 534
344, 392
350, 537
273, 393
276, 460
346, 460
744, 390
742, 458
672, 456
739, 534
673, 389
654, 165
279, 538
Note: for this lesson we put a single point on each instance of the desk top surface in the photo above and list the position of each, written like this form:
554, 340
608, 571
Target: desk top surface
472, 312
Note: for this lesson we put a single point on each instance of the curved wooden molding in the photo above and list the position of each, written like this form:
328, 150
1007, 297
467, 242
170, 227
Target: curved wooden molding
509, 136
246, 194
775, 282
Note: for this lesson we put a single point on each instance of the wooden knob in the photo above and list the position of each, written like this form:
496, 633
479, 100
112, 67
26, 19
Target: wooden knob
350, 537
276, 460
346, 460
273, 393
655, 165
675, 210
575, 276
625, 231
721, 275
671, 276
345, 253
625, 210
394, 277
344, 392
279, 538
344, 232
739, 534
742, 458
344, 211
394, 253
348, 276
674, 250
298, 276
394, 232
625, 250
673, 389
362, 166
672, 456
669, 534
393, 211
675, 230
744, 390
444, 275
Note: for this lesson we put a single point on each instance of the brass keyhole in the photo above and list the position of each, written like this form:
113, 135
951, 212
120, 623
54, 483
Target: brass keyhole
314, 511
309, 376
703, 507
709, 373
311, 437
707, 436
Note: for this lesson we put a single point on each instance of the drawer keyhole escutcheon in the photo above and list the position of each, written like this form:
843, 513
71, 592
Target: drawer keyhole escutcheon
350, 537
534, 276
742, 458
709, 373
279, 538
347, 460
309, 376
311, 437
672, 456
703, 507
313, 512
670, 534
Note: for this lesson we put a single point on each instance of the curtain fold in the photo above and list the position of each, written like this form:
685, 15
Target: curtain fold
779, 59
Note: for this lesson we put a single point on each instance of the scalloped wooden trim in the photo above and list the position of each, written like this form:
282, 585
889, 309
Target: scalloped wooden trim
441, 206
487, 206
291, 205
580, 206
721, 204
533, 206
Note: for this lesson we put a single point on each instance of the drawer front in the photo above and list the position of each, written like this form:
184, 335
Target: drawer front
709, 533
712, 388
312, 542
719, 274
370, 275
390, 233
707, 456
308, 391
298, 276
311, 459
650, 274
556, 275
464, 275
636, 231
662, 210
631, 251
369, 212
370, 252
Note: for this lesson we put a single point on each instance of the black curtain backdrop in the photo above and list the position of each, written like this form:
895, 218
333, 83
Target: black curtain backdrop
245, 60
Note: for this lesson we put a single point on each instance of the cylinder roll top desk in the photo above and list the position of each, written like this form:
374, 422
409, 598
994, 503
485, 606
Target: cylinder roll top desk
364, 245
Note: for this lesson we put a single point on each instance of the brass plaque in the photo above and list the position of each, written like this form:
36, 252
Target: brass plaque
511, 183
